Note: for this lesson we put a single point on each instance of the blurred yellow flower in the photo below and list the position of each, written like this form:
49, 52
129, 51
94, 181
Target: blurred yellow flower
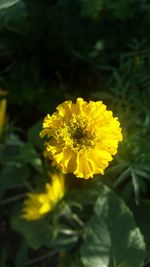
82, 137
3, 105
37, 205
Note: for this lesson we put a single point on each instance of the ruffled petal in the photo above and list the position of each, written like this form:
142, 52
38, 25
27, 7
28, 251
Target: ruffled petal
82, 137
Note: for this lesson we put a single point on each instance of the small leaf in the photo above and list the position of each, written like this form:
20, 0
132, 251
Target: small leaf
70, 260
117, 168
33, 135
3, 255
122, 177
142, 173
91, 8
64, 242
37, 233
136, 186
10, 152
12, 176
29, 155
21, 257
7, 3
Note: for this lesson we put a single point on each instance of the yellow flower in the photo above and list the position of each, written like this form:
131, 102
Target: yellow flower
3, 105
82, 137
37, 205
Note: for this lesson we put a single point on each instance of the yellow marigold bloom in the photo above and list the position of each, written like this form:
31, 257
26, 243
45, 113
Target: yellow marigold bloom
37, 205
3, 105
82, 137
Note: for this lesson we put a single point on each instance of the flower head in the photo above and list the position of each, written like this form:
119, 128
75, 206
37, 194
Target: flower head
37, 205
82, 137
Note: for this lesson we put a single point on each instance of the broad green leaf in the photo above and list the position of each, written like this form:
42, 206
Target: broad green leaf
7, 3
112, 238
142, 217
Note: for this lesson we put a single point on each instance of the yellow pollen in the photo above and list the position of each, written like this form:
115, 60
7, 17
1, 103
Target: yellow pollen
75, 134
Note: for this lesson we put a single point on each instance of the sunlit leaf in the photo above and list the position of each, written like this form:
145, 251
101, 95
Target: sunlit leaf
7, 3
112, 237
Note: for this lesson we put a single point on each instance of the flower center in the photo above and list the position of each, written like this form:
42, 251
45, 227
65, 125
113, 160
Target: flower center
79, 135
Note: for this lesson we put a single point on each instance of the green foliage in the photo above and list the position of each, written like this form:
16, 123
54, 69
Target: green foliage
112, 238
7, 3
122, 9
65, 43
12, 176
22, 256
129, 95
55, 50
33, 135
36, 233
91, 8
140, 212
17, 160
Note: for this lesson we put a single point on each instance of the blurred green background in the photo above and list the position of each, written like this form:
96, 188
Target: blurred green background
56, 50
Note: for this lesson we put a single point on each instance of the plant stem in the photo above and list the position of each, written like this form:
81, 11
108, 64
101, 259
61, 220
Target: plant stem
33, 261
11, 199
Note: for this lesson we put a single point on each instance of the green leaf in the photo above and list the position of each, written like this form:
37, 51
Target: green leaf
7, 3
136, 186
37, 233
91, 8
125, 174
64, 242
10, 152
70, 259
111, 237
33, 135
3, 255
12, 176
142, 173
21, 257
142, 217
117, 168
29, 155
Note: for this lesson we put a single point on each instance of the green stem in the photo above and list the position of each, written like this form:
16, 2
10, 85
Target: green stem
11, 199
33, 261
